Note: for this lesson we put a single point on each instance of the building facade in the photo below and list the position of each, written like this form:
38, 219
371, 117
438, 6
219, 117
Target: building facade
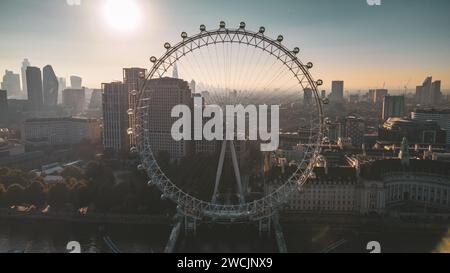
60, 131
429, 93
440, 116
3, 106
76, 82
74, 100
308, 97
134, 78
416, 131
11, 83
25, 65
354, 129
115, 118
34, 87
337, 91
50, 86
393, 106
164, 94
381, 187
380, 94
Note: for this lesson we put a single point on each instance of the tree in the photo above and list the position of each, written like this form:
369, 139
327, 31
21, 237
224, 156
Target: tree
2, 194
86, 149
13, 176
94, 170
58, 195
98, 175
14, 195
104, 198
72, 172
34, 194
79, 194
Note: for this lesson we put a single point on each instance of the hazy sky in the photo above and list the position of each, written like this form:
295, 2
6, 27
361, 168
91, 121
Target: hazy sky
364, 45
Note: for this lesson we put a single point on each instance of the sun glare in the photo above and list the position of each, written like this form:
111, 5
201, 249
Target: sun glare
122, 15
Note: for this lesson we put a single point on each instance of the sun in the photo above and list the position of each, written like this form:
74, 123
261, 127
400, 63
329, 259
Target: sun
122, 15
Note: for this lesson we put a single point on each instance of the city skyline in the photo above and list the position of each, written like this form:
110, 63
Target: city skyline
374, 47
239, 126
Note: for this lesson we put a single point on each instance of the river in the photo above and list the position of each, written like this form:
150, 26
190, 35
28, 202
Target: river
51, 237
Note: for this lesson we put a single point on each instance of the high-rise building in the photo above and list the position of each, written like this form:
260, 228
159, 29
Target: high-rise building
323, 94
34, 87
115, 117
337, 91
379, 95
334, 131
175, 71
193, 86
440, 116
3, 105
50, 86
393, 106
429, 93
74, 100
436, 94
76, 82
62, 84
11, 83
307, 97
25, 65
96, 99
354, 129
165, 93
134, 78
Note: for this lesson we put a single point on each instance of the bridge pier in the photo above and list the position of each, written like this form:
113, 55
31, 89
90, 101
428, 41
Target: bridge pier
279, 236
265, 227
190, 228
171, 244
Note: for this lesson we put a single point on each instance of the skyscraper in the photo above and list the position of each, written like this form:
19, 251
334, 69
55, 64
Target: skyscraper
354, 128
337, 91
379, 95
436, 94
193, 86
74, 100
11, 83
115, 117
307, 97
393, 106
76, 82
25, 65
61, 86
34, 87
96, 99
371, 96
50, 86
165, 93
134, 78
175, 71
429, 93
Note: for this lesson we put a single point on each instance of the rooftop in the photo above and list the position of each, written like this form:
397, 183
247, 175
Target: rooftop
73, 119
432, 110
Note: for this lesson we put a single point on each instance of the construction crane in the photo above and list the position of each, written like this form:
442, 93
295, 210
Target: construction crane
405, 87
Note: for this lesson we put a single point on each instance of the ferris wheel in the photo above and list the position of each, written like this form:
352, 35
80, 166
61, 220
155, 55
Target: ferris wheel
242, 67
